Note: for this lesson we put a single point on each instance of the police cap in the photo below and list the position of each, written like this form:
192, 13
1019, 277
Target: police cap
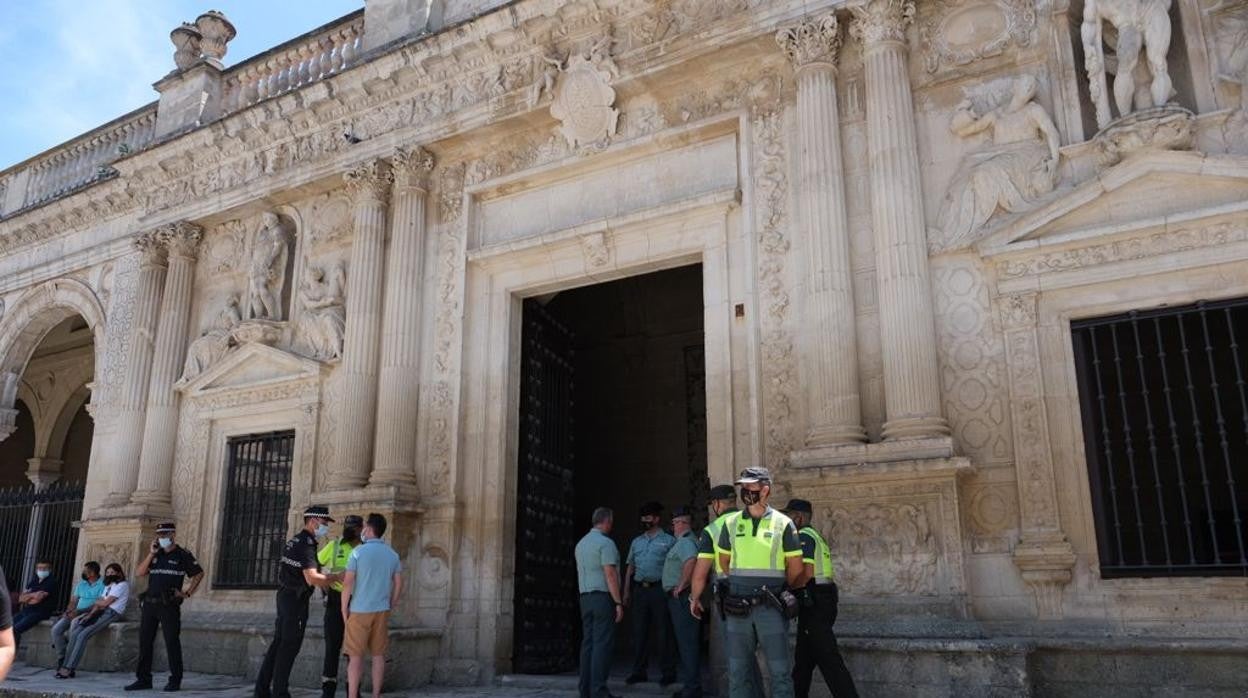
353, 520
168, 527
681, 511
317, 511
752, 475
651, 508
799, 505
722, 492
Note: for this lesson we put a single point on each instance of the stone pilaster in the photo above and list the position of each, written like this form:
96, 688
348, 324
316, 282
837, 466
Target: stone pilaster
399, 387
907, 333
122, 461
830, 354
181, 240
369, 187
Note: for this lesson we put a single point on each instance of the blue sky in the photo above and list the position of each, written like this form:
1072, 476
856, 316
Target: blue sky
71, 65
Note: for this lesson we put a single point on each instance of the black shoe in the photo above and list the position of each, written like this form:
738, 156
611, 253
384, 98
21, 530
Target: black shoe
140, 685
68, 675
667, 680
635, 678
173, 685
328, 689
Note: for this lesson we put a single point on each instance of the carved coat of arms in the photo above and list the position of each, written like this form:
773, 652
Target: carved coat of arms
583, 100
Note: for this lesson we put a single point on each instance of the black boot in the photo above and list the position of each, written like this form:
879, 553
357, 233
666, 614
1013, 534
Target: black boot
140, 685
328, 688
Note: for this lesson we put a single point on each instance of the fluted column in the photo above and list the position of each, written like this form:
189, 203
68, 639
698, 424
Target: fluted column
181, 240
831, 346
369, 187
395, 462
907, 332
127, 442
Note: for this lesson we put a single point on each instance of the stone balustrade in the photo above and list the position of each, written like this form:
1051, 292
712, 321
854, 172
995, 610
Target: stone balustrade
294, 64
78, 162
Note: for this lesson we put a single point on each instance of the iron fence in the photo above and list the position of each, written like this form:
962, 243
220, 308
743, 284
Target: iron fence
40, 525
1165, 412
257, 499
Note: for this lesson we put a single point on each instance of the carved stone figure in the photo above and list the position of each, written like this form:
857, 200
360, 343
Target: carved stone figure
215, 342
267, 276
1134, 26
1018, 166
324, 319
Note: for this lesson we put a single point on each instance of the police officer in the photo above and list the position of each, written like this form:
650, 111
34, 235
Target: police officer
296, 576
168, 565
678, 568
643, 590
816, 643
333, 559
722, 501
760, 550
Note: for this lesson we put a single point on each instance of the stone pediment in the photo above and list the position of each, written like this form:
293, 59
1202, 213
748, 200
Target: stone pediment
1156, 189
252, 366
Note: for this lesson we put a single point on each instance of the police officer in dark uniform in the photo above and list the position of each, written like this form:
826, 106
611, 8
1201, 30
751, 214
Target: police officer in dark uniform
816, 642
168, 565
297, 575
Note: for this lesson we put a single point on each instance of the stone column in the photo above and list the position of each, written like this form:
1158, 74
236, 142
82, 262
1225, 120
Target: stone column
160, 433
907, 332
395, 462
127, 444
368, 186
831, 343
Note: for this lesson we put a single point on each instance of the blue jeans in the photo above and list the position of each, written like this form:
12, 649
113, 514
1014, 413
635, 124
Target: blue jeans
60, 637
26, 619
80, 635
768, 629
597, 643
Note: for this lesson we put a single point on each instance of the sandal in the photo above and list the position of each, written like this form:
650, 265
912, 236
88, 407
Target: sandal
70, 675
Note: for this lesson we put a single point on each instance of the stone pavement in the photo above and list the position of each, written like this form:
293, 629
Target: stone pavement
36, 682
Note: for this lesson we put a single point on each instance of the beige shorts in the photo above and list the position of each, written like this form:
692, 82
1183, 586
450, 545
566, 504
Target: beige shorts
367, 633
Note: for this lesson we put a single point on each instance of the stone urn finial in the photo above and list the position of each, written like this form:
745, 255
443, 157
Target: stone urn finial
186, 44
217, 32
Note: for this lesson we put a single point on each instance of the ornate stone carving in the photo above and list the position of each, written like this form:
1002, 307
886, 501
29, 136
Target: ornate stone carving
217, 31
884, 549
225, 247
814, 40
151, 251
881, 20
323, 323
266, 276
1164, 128
991, 511
181, 239
412, 167
958, 32
1010, 174
584, 99
1114, 34
1230, 26
186, 45
213, 343
434, 569
369, 182
597, 249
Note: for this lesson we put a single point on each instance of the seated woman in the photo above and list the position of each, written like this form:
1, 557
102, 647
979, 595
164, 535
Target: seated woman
90, 588
105, 610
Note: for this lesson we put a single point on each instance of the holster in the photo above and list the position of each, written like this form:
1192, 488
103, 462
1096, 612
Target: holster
784, 602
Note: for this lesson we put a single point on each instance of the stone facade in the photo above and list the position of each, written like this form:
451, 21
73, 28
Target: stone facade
899, 207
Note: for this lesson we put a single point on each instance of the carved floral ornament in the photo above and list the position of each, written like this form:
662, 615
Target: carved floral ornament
878, 21
958, 32
815, 40
369, 182
412, 168
181, 238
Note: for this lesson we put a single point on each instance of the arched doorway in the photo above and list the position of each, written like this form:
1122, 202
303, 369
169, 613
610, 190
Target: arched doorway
48, 345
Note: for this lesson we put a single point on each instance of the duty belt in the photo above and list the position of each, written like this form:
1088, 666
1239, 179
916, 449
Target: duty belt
645, 585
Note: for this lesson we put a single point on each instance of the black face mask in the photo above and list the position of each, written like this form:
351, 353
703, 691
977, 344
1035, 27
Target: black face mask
351, 533
751, 497
112, 579
647, 525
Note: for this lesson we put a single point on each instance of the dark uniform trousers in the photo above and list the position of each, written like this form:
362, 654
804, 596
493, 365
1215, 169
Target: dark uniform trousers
688, 631
167, 614
292, 620
597, 643
816, 646
650, 608
334, 628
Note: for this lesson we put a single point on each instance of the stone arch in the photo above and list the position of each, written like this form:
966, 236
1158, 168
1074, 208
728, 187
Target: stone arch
26, 324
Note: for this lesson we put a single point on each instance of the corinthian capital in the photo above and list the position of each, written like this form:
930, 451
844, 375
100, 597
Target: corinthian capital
815, 40
412, 167
151, 249
369, 182
180, 238
882, 20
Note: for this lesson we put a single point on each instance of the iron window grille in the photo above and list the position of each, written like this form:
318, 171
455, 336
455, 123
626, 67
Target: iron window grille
1165, 422
257, 501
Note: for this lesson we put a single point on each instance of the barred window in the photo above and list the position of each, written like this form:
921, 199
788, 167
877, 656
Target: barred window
1165, 422
257, 500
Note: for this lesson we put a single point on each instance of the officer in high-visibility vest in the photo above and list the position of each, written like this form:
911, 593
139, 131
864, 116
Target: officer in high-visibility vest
816, 642
722, 501
760, 550
333, 558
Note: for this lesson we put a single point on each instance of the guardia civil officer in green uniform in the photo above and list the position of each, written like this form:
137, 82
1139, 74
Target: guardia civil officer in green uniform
760, 550
643, 590
722, 501
677, 578
816, 642
297, 573
333, 559
167, 566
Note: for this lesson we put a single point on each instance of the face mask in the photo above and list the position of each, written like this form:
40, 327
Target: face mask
165, 542
751, 497
42, 574
111, 579
350, 533
322, 531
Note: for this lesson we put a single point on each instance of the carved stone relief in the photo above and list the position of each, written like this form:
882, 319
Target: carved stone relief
329, 221
1130, 39
884, 549
224, 250
584, 101
214, 342
597, 249
992, 511
1230, 44
267, 271
954, 33
323, 319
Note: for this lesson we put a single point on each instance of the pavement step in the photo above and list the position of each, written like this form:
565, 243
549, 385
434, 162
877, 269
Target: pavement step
564, 684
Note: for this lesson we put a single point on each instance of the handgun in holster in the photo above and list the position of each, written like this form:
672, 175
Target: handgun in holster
721, 591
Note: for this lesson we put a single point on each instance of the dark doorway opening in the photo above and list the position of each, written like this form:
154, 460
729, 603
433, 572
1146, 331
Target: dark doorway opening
612, 413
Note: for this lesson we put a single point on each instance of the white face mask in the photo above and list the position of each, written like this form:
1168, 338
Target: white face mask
165, 543
322, 531
42, 574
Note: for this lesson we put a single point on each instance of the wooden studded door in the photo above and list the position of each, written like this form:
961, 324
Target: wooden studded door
546, 616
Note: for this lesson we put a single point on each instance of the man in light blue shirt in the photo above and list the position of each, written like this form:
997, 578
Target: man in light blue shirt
369, 590
89, 588
643, 587
598, 578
